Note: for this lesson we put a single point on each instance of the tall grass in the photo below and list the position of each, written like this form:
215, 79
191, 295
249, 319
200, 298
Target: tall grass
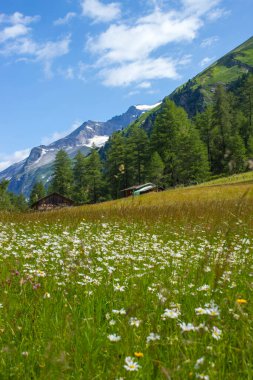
165, 279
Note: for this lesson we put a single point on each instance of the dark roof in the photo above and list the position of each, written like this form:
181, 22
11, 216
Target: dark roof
51, 195
137, 187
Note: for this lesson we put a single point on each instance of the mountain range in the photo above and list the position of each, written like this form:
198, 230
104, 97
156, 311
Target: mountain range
39, 164
194, 96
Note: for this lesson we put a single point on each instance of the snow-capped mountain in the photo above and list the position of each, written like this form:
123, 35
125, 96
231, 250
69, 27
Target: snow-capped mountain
38, 165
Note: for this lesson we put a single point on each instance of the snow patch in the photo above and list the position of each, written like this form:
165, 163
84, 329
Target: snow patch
145, 107
98, 141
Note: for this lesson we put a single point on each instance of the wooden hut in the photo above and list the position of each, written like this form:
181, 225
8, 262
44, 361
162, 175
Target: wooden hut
52, 201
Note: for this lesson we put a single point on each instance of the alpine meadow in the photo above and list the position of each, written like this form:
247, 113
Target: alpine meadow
126, 245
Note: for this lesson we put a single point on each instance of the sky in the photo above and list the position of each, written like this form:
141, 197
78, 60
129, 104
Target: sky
63, 62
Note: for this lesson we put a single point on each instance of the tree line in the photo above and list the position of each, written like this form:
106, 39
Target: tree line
175, 150
10, 201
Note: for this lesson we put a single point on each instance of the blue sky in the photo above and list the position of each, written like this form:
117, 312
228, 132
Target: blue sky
66, 61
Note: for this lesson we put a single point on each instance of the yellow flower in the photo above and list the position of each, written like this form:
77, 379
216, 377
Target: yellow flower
139, 354
241, 301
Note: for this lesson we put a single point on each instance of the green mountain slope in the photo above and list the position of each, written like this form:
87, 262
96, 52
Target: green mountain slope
198, 92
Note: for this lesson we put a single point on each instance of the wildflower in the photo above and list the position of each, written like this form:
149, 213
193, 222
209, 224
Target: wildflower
40, 273
241, 301
203, 288
1, 305
131, 365
134, 322
138, 354
171, 313
216, 333
152, 336
24, 353
46, 295
213, 311
210, 309
199, 362
186, 327
202, 376
200, 311
114, 337
119, 288
121, 311
112, 322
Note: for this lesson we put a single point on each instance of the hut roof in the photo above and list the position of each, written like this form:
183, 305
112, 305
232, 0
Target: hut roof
67, 200
138, 187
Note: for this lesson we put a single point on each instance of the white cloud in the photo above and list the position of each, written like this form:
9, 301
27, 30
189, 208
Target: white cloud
44, 53
206, 61
144, 85
12, 32
144, 37
65, 20
67, 73
199, 7
130, 51
17, 25
15, 40
81, 71
47, 52
8, 160
209, 41
59, 135
139, 71
218, 13
18, 18
100, 12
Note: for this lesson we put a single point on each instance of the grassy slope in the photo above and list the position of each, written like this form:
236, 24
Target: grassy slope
202, 201
226, 70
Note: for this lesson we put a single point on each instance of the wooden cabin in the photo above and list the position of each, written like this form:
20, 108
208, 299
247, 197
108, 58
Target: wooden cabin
141, 189
52, 201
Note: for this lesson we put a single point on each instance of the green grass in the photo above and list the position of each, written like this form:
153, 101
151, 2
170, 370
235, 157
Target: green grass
220, 74
234, 179
71, 278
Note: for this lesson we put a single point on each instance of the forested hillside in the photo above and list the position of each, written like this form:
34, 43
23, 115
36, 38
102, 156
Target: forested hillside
174, 150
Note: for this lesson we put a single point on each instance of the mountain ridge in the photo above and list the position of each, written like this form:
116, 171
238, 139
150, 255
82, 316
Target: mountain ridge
38, 165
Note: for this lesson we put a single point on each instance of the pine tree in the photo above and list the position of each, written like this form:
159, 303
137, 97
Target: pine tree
5, 200
116, 171
62, 182
246, 104
221, 133
38, 192
137, 149
204, 123
170, 122
192, 164
19, 202
237, 159
80, 193
94, 176
155, 169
